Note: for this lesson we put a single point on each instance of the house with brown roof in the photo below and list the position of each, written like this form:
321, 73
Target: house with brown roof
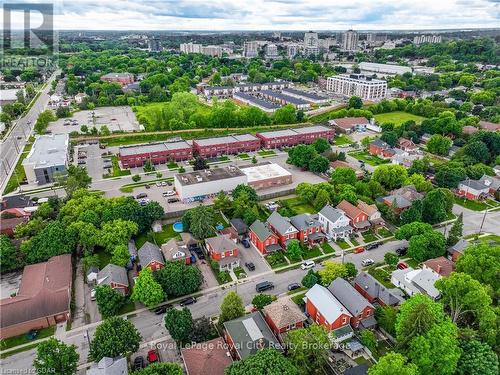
371, 210
208, 358
342, 164
283, 315
7, 226
349, 124
440, 265
43, 299
174, 250
406, 145
357, 218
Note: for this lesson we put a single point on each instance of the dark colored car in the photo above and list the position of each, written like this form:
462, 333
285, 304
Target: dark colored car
293, 286
153, 356
250, 266
401, 251
141, 196
161, 310
138, 363
172, 200
372, 246
265, 285
245, 243
188, 301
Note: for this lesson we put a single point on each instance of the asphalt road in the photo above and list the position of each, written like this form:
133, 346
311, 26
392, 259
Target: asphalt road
15, 141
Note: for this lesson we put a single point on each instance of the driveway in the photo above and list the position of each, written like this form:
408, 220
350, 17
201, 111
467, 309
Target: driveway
376, 254
252, 255
209, 279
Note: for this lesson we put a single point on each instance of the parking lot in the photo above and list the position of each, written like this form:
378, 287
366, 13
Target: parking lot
115, 118
90, 156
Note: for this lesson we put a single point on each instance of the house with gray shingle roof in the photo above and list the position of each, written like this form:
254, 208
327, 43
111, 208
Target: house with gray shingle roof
375, 292
263, 238
114, 276
309, 228
335, 223
150, 256
109, 366
282, 227
361, 310
458, 249
223, 250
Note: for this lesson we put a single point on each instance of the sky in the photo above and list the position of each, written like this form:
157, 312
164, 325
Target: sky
257, 15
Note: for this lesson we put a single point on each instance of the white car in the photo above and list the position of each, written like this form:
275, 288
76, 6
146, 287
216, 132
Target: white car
158, 183
169, 193
92, 295
367, 262
307, 264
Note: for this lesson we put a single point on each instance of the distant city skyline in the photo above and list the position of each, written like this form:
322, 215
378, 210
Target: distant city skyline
258, 15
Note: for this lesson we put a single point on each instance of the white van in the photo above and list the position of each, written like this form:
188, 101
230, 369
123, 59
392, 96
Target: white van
307, 264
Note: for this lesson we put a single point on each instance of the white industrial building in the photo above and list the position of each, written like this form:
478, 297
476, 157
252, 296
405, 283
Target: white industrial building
266, 175
48, 156
385, 69
348, 85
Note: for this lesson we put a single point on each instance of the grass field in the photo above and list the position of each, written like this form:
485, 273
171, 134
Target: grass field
369, 236
343, 245
158, 238
476, 205
327, 249
342, 140
116, 171
12, 342
266, 153
368, 159
397, 117
300, 207
312, 253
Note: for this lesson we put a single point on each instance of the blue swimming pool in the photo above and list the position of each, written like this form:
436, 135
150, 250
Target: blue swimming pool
178, 227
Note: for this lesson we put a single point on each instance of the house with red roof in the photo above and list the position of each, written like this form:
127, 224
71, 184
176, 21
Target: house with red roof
406, 145
349, 124
357, 218
440, 265
207, 358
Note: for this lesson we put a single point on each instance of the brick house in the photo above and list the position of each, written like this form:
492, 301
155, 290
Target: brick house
361, 310
309, 228
263, 238
114, 276
380, 148
357, 218
472, 189
406, 145
156, 153
224, 251
208, 358
283, 315
371, 210
375, 292
349, 124
120, 78
231, 144
150, 256
325, 309
440, 265
292, 137
457, 250
283, 228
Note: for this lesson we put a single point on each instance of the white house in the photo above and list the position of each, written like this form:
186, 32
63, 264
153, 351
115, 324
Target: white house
334, 222
416, 281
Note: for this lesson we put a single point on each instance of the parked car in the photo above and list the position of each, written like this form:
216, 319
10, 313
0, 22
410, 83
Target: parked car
307, 264
164, 183
188, 301
81, 161
265, 285
173, 200
358, 250
141, 196
372, 246
245, 242
169, 193
367, 262
402, 266
92, 295
401, 251
158, 183
161, 310
293, 286
138, 363
153, 356
250, 266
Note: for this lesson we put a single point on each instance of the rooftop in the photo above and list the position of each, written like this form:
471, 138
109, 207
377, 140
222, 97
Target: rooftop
256, 101
349, 122
208, 358
153, 147
326, 303
264, 171
216, 174
287, 98
225, 140
221, 244
305, 94
440, 265
349, 296
284, 312
48, 151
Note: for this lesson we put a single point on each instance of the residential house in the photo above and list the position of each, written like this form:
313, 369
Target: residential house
208, 358
239, 226
469, 129
381, 149
283, 315
42, 300
174, 250
375, 292
335, 223
405, 158
326, 310
150, 256
357, 218
309, 228
282, 227
416, 281
493, 184
224, 251
358, 306
79, 97
472, 189
342, 164
372, 212
7, 226
249, 334
114, 276
109, 366
349, 124
441, 265
16, 201
406, 145
458, 249
92, 274
402, 198
263, 238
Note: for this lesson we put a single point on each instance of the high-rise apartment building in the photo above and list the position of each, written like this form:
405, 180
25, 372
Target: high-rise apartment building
190, 47
271, 51
357, 85
349, 41
154, 45
292, 50
420, 39
212, 51
251, 49
311, 43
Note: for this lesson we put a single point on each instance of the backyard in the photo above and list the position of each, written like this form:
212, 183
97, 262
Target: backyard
342, 139
397, 117
116, 170
158, 238
298, 206
368, 159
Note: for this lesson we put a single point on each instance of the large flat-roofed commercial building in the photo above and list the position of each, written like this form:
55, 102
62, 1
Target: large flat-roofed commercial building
120, 78
284, 99
198, 185
228, 91
231, 144
389, 69
252, 100
310, 97
266, 175
356, 84
292, 137
156, 153
48, 156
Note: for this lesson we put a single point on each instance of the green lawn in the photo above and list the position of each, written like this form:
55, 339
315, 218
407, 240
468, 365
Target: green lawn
104, 258
129, 188
128, 307
172, 165
384, 232
369, 236
12, 342
299, 206
354, 242
240, 273
342, 140
471, 205
266, 153
158, 238
219, 219
368, 159
343, 245
18, 175
312, 253
243, 156
116, 170
327, 249
397, 117
383, 276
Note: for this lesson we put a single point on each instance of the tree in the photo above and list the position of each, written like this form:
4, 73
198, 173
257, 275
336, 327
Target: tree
425, 246
390, 176
114, 337
301, 155
163, 368
449, 175
223, 203
477, 359
62, 112
321, 200
355, 102
310, 279
294, 250
116, 232
179, 323
413, 214
231, 307
439, 145
391, 259
203, 330
246, 190
393, 363
146, 289
285, 115
77, 178
321, 145
351, 270
54, 356
369, 340
456, 230
343, 175
386, 318
9, 256
121, 256
200, 221
308, 348
109, 301
390, 137
331, 271
482, 262
478, 151
266, 361
200, 164
420, 182
178, 279
136, 178
434, 207
319, 164
261, 300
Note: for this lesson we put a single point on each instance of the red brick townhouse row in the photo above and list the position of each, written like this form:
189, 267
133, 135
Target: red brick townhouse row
231, 144
292, 137
157, 153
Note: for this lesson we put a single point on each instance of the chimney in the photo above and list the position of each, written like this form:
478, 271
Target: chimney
439, 268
